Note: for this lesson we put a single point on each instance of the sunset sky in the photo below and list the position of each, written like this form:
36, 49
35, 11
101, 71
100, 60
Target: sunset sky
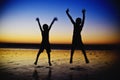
18, 24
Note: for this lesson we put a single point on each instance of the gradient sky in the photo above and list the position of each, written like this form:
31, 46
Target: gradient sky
18, 24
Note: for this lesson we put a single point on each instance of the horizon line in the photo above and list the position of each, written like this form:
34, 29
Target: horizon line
62, 46
64, 43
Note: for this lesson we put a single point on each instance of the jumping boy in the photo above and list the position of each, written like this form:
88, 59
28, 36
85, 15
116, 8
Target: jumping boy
45, 40
77, 41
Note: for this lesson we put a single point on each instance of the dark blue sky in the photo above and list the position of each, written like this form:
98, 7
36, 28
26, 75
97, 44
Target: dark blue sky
18, 19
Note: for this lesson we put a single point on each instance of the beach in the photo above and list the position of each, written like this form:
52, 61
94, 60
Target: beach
18, 64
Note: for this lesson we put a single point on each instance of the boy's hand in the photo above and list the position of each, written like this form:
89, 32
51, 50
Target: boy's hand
83, 11
55, 19
37, 19
67, 11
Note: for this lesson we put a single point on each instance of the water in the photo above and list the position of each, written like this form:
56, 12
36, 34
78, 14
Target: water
18, 64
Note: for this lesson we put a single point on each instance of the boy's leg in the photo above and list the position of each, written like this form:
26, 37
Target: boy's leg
84, 53
71, 56
48, 49
48, 53
37, 56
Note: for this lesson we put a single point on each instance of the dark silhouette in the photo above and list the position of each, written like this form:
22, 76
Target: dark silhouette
37, 77
77, 41
49, 74
45, 40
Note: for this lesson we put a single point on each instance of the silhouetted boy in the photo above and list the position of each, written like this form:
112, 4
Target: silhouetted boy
45, 40
77, 41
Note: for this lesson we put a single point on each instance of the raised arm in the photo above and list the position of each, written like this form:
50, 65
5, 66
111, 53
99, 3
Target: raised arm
37, 19
83, 20
55, 19
67, 12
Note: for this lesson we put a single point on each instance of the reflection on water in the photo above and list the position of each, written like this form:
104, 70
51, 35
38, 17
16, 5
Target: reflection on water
40, 75
27, 56
37, 76
18, 64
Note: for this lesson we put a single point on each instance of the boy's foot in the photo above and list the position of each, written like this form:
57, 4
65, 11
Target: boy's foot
35, 63
87, 61
50, 64
70, 61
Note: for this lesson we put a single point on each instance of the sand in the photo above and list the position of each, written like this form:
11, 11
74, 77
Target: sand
17, 64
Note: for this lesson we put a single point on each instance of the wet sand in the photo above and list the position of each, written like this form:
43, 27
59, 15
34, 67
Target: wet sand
17, 64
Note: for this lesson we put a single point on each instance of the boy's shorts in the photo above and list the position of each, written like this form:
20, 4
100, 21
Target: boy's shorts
47, 47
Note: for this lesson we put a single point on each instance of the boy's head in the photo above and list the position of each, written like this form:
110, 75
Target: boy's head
78, 20
45, 26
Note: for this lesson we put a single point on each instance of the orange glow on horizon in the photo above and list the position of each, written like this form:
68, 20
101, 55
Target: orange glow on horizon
60, 37
58, 40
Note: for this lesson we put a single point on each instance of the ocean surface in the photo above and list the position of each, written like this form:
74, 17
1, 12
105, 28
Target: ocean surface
17, 64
